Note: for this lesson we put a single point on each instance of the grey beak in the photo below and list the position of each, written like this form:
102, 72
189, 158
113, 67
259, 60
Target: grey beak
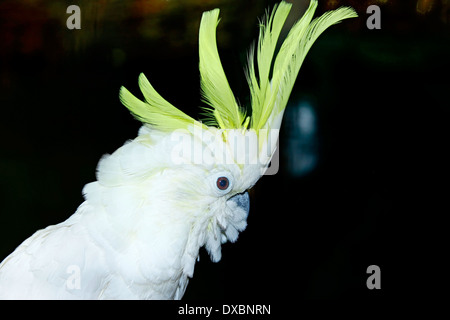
242, 200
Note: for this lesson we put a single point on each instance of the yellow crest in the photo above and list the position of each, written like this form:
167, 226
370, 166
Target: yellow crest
269, 96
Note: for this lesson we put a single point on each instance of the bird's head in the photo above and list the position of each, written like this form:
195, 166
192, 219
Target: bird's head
215, 161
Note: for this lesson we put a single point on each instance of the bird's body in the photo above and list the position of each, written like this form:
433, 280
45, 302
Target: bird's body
71, 261
129, 239
179, 185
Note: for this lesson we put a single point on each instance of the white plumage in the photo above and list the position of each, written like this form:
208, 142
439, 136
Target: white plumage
136, 236
178, 186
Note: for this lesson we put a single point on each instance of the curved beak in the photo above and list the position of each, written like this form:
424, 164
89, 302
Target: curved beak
242, 201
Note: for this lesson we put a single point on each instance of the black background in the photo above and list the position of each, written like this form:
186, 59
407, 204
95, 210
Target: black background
378, 195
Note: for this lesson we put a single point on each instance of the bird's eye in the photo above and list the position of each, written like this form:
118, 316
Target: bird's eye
223, 183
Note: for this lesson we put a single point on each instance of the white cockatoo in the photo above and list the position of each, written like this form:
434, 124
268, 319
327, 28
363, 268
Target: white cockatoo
179, 185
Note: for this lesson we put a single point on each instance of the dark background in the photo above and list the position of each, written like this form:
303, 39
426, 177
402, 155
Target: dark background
378, 194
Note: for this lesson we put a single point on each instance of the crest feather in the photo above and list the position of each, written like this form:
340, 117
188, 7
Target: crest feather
269, 98
268, 36
223, 109
270, 81
155, 111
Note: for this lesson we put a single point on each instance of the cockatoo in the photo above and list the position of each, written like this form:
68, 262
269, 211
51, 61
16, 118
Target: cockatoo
179, 185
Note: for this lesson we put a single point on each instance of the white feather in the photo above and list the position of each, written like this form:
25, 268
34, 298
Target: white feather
139, 231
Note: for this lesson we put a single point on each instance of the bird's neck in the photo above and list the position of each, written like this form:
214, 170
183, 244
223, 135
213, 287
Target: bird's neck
147, 241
